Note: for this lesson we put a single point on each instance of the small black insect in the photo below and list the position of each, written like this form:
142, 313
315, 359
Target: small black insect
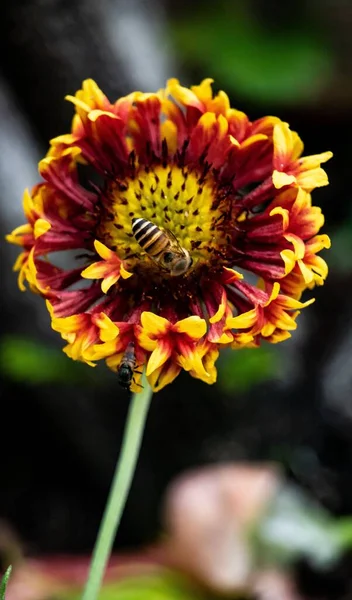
127, 367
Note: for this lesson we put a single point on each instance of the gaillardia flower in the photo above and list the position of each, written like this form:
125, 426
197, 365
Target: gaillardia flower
192, 228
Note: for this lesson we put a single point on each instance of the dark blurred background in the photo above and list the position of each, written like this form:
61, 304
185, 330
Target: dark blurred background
61, 422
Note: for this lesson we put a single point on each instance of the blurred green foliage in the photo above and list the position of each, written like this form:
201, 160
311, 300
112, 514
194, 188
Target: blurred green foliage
240, 371
33, 362
165, 586
229, 42
296, 526
340, 255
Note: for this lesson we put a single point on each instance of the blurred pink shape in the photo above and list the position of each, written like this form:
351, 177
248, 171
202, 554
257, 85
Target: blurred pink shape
274, 585
208, 514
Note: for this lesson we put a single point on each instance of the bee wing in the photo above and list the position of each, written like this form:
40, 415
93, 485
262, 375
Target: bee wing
174, 242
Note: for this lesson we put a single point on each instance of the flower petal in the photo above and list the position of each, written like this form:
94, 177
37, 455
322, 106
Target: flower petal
289, 258
96, 270
312, 179
163, 376
103, 251
109, 281
242, 321
315, 160
297, 243
41, 226
124, 274
159, 356
194, 326
281, 179
108, 330
154, 324
193, 362
283, 212
287, 145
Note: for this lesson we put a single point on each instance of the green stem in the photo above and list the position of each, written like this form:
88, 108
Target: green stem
4, 582
121, 484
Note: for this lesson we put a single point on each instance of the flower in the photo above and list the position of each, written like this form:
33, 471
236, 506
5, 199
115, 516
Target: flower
172, 346
193, 229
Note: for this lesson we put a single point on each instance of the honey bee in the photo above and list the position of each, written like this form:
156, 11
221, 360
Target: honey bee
162, 247
127, 367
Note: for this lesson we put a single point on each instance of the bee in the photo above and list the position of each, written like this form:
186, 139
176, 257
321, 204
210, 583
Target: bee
127, 367
162, 247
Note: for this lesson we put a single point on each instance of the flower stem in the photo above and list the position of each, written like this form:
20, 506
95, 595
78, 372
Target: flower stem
120, 486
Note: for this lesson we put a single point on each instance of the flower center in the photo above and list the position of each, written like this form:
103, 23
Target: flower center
179, 202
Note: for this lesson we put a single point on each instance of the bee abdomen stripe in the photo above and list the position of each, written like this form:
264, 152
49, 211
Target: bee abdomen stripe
157, 245
141, 230
140, 224
138, 228
150, 239
136, 223
146, 236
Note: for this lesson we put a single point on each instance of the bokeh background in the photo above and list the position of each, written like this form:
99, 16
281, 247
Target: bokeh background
61, 422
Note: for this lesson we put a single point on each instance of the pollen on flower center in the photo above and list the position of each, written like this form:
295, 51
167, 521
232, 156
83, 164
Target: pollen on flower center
172, 198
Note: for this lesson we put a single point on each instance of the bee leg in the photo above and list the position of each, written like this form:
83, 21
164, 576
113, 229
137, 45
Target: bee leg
137, 384
134, 381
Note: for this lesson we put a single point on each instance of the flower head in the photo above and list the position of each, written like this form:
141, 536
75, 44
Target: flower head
169, 200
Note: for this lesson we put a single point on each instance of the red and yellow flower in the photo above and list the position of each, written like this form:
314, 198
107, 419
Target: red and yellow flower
235, 194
